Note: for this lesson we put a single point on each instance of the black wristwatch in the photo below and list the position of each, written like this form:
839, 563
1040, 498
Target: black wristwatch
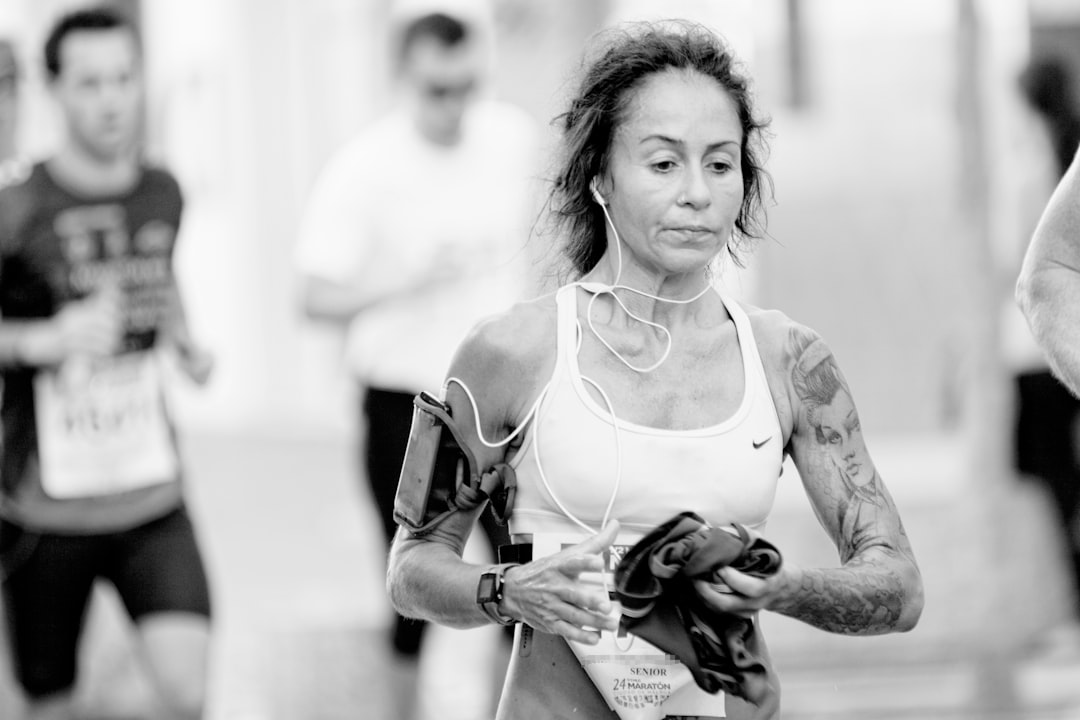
489, 593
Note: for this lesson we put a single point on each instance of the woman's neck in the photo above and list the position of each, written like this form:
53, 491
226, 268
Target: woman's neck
645, 287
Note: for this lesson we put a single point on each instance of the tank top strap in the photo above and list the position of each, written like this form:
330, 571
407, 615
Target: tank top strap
747, 342
567, 328
566, 335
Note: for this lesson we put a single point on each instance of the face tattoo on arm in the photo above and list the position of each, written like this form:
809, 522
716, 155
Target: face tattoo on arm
852, 500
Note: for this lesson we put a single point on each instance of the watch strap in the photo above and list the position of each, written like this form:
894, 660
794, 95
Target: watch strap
489, 593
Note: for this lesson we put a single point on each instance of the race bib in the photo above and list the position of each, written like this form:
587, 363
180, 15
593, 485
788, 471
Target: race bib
102, 427
638, 680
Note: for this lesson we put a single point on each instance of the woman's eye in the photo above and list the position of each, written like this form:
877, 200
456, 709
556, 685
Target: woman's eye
664, 165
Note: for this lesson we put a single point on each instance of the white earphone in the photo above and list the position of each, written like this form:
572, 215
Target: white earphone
596, 193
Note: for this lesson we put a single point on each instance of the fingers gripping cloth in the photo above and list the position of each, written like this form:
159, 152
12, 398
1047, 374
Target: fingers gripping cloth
654, 583
440, 475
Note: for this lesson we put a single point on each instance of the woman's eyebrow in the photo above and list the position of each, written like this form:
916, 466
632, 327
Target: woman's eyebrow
660, 137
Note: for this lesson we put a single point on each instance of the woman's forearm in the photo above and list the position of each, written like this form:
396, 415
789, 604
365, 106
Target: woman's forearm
429, 580
861, 598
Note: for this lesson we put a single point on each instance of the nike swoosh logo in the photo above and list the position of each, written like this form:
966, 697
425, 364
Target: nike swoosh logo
758, 445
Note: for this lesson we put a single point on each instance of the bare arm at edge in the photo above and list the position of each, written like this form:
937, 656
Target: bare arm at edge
1048, 288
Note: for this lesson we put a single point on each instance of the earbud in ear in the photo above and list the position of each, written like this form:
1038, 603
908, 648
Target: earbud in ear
596, 192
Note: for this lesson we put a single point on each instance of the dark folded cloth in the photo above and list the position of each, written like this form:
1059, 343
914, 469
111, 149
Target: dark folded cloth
654, 583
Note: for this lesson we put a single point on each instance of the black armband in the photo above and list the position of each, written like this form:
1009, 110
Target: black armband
439, 475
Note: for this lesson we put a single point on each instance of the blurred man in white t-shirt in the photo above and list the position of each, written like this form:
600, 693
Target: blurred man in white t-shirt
414, 231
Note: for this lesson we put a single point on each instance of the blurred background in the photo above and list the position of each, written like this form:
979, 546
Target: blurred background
909, 172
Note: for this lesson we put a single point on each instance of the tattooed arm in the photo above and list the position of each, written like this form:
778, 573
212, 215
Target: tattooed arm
877, 589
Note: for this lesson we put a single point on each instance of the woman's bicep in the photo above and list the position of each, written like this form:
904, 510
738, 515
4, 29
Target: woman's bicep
493, 381
832, 458
480, 417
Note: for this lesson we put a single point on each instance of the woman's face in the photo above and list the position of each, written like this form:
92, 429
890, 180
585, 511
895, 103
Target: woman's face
840, 428
674, 180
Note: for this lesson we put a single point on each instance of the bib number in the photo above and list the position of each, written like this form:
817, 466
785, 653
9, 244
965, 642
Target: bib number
103, 427
638, 680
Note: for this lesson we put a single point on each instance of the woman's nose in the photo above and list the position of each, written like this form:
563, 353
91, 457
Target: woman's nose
695, 191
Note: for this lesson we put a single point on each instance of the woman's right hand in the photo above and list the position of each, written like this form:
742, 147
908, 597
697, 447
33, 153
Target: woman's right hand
549, 595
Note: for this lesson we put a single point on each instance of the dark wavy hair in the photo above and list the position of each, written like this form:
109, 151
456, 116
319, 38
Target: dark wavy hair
93, 19
622, 58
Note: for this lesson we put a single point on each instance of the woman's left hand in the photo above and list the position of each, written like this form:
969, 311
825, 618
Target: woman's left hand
746, 594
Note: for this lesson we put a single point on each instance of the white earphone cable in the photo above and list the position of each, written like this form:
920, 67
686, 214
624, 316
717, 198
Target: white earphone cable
476, 413
597, 289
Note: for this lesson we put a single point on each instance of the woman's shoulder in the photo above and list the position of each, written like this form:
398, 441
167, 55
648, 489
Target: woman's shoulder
508, 357
781, 342
517, 340
779, 338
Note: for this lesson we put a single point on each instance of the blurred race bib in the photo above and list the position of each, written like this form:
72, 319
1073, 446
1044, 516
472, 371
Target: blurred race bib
638, 680
102, 427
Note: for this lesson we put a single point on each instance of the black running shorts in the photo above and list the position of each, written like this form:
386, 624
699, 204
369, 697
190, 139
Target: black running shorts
48, 577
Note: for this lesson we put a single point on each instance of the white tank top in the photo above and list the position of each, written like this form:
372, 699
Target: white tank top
725, 473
